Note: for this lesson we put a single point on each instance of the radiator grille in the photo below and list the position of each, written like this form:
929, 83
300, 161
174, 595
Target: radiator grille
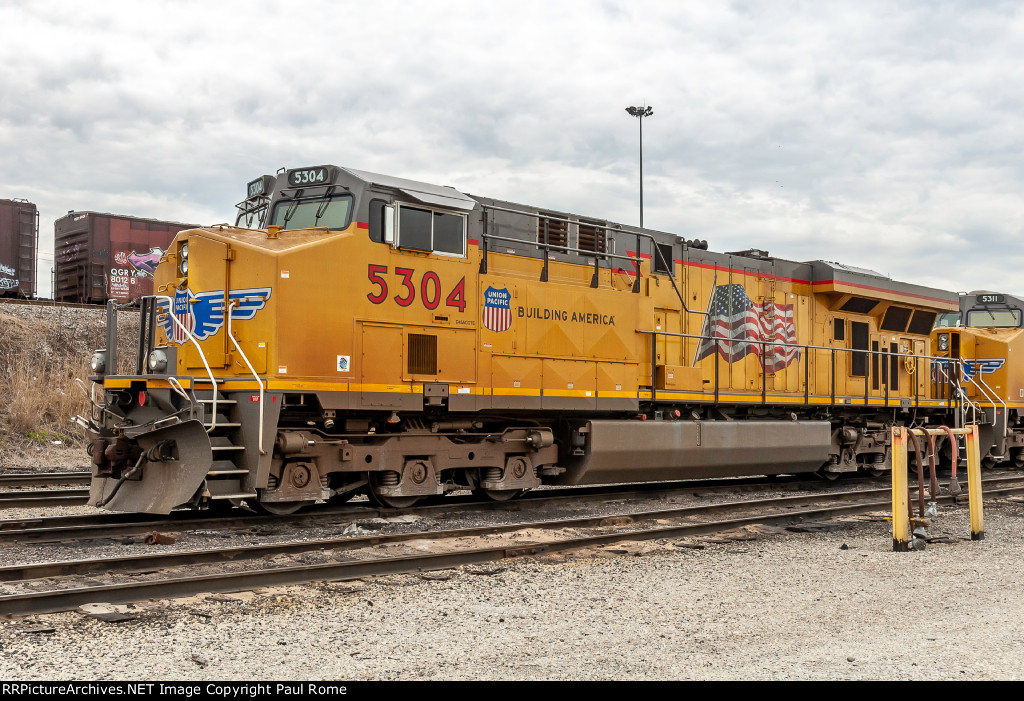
422, 354
556, 232
592, 237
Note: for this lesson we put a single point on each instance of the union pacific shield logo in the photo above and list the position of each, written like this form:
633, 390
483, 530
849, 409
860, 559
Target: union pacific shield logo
183, 313
497, 309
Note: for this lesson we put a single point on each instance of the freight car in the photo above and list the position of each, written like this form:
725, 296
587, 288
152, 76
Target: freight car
405, 339
99, 256
19, 243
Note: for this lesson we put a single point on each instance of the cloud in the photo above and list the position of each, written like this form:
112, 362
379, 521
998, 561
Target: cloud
884, 136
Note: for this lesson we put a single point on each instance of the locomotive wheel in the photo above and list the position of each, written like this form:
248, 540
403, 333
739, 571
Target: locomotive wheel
389, 501
393, 502
988, 462
830, 476
281, 508
341, 498
498, 494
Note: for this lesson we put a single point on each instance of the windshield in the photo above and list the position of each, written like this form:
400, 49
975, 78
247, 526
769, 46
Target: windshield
330, 212
947, 319
1000, 318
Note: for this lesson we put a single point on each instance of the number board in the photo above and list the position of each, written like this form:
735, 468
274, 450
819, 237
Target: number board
259, 187
991, 299
309, 176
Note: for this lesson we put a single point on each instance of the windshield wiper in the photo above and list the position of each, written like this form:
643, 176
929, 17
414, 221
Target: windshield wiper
292, 207
324, 204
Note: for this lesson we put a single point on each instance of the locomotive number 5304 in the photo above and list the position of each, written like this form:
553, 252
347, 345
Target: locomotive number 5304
429, 288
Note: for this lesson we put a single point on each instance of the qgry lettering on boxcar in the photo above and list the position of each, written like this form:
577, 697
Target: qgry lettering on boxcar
565, 315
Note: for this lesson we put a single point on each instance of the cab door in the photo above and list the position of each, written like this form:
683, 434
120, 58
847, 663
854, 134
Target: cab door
856, 380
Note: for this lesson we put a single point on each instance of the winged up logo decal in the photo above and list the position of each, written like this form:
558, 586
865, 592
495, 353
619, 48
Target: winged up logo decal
202, 315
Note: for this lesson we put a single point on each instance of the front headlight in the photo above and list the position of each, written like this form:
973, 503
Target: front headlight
943, 341
157, 361
183, 265
98, 362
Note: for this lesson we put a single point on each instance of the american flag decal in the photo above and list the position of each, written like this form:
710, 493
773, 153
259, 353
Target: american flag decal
738, 323
497, 309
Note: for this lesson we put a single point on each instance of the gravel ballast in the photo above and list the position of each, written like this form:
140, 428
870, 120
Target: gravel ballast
762, 604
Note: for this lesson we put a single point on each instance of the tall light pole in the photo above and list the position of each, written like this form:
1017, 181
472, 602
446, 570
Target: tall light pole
640, 113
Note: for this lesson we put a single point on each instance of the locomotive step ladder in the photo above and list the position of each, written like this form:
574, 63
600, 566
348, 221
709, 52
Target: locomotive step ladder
228, 475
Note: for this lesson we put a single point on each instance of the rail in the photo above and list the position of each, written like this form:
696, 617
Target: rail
199, 349
992, 398
956, 395
231, 335
983, 389
547, 247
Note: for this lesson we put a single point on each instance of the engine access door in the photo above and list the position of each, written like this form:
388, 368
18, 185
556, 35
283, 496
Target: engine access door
201, 306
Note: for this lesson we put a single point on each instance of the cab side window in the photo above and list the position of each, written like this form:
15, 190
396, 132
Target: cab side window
429, 230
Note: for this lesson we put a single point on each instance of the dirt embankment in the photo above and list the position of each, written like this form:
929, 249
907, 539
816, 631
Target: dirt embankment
43, 349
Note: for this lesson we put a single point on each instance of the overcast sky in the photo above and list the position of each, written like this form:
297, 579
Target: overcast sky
883, 135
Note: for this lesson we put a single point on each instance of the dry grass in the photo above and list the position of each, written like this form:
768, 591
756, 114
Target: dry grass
42, 397
42, 352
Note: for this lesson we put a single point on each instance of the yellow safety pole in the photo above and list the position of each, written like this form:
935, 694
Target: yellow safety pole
900, 517
974, 485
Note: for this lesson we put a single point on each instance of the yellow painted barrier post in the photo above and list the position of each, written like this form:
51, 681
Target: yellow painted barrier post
974, 485
900, 515
901, 519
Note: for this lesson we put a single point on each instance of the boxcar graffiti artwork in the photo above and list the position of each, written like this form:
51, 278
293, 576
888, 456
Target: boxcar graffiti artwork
106, 256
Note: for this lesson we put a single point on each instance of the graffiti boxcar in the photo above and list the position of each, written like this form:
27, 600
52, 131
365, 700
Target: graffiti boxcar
19, 240
107, 256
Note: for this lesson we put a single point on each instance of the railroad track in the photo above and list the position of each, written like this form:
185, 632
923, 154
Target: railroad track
43, 479
21, 498
351, 560
12, 496
105, 525
52, 303
118, 525
27, 498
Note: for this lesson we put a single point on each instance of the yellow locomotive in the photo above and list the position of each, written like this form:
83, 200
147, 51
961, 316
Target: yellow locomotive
976, 369
404, 339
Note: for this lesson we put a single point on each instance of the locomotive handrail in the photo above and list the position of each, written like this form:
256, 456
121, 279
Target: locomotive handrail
231, 335
176, 386
965, 402
202, 356
960, 398
795, 345
597, 255
978, 381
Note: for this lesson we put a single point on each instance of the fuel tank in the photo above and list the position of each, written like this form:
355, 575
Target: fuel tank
635, 451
